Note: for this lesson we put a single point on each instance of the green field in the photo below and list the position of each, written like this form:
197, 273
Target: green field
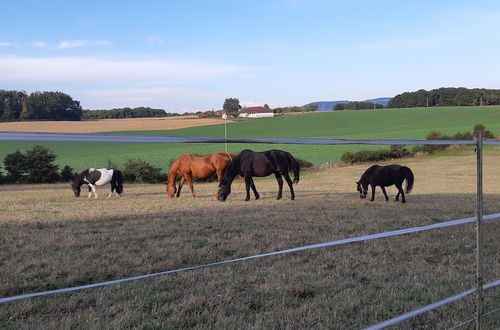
413, 123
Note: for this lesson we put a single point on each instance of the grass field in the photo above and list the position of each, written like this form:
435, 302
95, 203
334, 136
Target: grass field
49, 240
102, 125
369, 124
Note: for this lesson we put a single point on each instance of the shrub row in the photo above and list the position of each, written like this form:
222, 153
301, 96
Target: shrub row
37, 166
364, 156
399, 151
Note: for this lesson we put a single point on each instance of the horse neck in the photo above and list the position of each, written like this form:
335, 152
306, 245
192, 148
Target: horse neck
231, 170
173, 172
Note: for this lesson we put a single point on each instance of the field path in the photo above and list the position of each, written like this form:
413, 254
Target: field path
108, 125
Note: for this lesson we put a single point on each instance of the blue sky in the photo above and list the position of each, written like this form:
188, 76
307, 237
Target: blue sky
191, 55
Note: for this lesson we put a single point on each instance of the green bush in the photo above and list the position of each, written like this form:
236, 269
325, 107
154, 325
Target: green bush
137, 170
36, 166
67, 173
364, 156
487, 134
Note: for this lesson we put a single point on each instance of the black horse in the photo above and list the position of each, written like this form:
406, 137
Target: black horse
98, 177
248, 164
385, 176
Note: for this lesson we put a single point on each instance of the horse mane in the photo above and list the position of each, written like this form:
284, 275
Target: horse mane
368, 172
233, 167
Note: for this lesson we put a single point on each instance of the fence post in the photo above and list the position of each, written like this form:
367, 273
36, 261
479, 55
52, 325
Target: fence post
479, 229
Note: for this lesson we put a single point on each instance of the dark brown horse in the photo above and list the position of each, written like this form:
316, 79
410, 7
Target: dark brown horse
249, 164
385, 176
189, 166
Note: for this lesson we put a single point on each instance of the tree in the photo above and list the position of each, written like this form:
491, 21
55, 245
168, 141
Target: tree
25, 114
232, 107
53, 105
36, 166
15, 165
40, 167
67, 173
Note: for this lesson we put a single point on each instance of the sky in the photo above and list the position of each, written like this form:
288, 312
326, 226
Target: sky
188, 56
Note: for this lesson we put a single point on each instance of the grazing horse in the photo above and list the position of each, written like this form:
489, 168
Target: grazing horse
189, 166
98, 177
249, 164
385, 176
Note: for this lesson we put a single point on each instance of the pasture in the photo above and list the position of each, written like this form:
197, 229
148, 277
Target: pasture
49, 239
361, 124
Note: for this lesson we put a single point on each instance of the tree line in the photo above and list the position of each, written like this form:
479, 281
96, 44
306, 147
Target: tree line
446, 97
119, 113
355, 105
18, 105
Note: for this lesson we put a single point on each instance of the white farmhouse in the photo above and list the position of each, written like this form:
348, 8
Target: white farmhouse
256, 112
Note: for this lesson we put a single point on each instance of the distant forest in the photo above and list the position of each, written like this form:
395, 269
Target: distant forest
445, 97
17, 105
357, 106
140, 112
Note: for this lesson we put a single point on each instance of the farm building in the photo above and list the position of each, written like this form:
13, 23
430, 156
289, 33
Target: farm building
256, 112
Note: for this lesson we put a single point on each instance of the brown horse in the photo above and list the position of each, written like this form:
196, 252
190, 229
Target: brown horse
189, 166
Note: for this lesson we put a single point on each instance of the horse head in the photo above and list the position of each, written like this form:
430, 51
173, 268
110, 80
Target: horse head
171, 190
223, 191
76, 186
362, 188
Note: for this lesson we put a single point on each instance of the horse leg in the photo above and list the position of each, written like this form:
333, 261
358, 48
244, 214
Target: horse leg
181, 183
280, 185
400, 191
92, 187
290, 185
385, 194
190, 182
90, 192
257, 196
373, 193
113, 186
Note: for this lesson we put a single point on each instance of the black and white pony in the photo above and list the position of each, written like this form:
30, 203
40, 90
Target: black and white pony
97, 177
385, 176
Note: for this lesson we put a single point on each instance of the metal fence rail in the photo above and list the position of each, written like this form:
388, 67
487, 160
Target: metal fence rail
257, 256
136, 138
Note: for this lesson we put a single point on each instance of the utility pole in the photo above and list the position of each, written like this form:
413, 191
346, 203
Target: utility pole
479, 230
225, 131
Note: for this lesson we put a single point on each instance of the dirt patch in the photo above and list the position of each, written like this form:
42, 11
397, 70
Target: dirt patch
107, 125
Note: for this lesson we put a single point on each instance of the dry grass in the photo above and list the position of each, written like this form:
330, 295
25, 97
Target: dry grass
106, 125
50, 239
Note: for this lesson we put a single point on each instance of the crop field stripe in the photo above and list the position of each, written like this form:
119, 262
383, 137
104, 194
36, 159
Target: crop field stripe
129, 138
302, 248
429, 307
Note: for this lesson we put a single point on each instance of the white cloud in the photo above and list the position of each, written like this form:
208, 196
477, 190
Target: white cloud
171, 99
38, 44
81, 43
155, 40
5, 44
105, 71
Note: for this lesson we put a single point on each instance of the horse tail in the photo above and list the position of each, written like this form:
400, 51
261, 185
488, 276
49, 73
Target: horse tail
117, 178
294, 165
408, 174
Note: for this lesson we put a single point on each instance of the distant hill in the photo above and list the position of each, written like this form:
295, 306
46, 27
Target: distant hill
329, 105
381, 100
